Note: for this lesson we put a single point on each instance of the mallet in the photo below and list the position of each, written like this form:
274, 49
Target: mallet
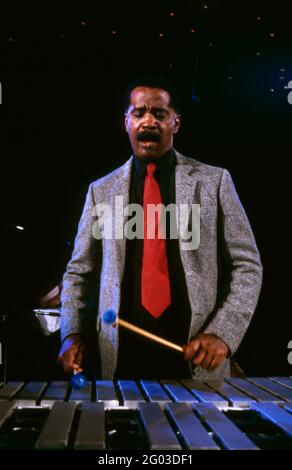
78, 380
111, 317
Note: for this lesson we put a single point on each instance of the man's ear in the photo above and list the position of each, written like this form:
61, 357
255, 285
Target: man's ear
177, 122
126, 121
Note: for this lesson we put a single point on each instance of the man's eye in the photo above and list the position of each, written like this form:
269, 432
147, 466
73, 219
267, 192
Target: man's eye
138, 112
160, 114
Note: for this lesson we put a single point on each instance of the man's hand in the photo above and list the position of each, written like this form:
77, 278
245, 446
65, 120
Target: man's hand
72, 353
206, 350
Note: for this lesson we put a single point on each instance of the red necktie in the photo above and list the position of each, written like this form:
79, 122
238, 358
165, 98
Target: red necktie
155, 278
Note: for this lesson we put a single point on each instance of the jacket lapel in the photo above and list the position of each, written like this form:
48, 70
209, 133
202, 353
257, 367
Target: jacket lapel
186, 188
185, 183
120, 191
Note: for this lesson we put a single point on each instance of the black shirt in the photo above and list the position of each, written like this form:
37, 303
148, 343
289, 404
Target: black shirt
139, 357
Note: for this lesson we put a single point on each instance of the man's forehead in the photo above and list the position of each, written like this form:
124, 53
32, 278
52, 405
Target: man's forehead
141, 96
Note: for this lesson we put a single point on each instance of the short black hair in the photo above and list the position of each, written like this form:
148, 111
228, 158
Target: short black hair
154, 81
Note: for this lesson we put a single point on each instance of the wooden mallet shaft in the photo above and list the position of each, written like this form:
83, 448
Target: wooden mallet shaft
147, 334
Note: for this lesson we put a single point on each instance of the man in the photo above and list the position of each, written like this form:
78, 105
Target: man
202, 298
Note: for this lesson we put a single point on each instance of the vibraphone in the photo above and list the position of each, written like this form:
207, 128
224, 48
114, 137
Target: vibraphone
252, 413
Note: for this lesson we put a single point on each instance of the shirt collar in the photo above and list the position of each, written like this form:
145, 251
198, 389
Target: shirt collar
164, 164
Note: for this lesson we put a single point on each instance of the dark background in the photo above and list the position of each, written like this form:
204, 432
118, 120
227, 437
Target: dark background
64, 68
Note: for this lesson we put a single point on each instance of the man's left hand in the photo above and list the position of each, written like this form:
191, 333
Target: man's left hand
206, 350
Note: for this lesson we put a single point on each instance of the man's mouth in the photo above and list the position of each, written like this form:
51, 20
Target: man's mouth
148, 137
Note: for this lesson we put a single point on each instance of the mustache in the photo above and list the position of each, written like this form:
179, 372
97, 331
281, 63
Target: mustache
148, 135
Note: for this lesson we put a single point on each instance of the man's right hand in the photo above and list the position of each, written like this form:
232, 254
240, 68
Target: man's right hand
72, 352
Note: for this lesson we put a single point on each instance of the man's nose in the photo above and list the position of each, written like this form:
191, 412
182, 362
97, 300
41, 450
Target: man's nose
149, 121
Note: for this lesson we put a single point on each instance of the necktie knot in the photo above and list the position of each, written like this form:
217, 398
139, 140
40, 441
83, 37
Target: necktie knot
151, 167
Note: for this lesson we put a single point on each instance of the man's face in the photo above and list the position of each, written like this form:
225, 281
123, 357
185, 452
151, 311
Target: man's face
151, 122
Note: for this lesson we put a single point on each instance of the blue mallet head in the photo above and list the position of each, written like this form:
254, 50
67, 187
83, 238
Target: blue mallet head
109, 316
78, 380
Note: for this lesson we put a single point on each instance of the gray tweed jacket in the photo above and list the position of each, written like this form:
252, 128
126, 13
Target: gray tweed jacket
222, 300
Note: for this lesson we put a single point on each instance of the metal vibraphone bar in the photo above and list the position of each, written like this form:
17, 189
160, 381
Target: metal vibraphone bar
235, 414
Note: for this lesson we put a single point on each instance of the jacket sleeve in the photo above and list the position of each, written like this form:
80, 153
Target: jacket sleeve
234, 312
79, 296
